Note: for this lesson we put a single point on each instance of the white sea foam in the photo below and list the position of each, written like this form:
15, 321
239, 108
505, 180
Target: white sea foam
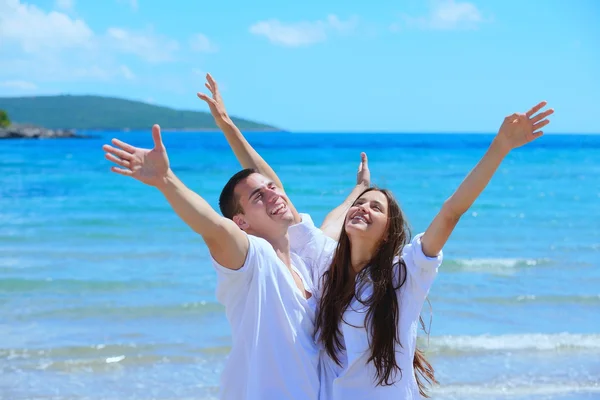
514, 342
511, 390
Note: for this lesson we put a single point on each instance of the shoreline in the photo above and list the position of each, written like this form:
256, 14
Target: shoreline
17, 131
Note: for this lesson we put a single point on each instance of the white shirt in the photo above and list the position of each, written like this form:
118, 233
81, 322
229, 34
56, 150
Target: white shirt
355, 378
273, 354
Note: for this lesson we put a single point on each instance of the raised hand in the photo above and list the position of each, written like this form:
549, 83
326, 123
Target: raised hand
363, 176
149, 166
521, 128
215, 103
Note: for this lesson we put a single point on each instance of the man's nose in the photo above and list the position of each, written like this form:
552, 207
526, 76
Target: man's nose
272, 195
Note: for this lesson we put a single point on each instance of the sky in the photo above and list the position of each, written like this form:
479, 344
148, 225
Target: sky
315, 66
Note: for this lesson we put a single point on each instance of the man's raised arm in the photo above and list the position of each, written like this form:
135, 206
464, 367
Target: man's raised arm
227, 243
244, 152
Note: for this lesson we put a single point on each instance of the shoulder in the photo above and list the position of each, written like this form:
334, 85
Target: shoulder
259, 252
413, 255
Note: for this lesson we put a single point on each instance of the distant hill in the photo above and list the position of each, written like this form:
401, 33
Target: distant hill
96, 112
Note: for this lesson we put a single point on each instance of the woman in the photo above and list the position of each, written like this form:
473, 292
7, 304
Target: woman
376, 279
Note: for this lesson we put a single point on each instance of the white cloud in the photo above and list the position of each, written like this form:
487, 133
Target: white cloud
202, 44
446, 15
101, 72
342, 26
91, 72
20, 85
36, 31
126, 72
41, 47
301, 33
198, 72
131, 3
65, 4
148, 46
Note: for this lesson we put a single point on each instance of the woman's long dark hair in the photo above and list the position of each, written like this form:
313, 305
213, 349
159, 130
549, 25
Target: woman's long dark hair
383, 312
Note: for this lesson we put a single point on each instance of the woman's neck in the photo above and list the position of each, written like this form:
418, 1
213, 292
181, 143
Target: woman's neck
360, 255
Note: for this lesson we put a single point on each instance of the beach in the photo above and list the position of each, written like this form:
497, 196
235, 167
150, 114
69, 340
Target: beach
106, 294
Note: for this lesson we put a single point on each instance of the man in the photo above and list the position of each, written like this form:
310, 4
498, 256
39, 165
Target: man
266, 289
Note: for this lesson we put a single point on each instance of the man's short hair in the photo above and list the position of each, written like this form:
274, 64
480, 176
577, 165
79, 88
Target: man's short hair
228, 201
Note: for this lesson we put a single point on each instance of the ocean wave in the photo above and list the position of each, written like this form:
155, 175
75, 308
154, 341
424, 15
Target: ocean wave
98, 350
448, 345
539, 300
12, 285
161, 311
101, 357
512, 389
521, 300
504, 266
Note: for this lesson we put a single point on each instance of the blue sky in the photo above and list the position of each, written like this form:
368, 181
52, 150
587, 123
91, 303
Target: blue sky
393, 66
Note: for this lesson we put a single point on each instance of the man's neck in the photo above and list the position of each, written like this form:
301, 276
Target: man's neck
281, 245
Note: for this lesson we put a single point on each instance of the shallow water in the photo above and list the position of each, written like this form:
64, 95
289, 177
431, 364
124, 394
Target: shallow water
105, 294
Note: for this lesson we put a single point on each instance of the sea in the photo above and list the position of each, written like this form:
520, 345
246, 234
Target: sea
106, 294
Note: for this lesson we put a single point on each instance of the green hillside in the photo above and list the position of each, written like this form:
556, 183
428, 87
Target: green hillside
96, 112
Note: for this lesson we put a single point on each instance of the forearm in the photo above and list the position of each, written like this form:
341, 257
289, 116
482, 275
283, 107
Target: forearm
244, 152
476, 181
227, 244
333, 222
190, 207
440, 229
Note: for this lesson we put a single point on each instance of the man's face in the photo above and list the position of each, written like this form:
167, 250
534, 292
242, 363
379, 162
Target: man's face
266, 212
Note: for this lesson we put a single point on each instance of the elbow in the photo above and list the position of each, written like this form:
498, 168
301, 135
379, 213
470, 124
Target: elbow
451, 213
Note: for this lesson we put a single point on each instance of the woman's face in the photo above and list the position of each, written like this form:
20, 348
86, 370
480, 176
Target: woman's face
368, 217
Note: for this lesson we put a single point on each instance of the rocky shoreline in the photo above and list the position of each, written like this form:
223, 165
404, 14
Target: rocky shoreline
36, 132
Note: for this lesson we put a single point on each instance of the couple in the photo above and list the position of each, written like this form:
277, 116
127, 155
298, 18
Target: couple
328, 313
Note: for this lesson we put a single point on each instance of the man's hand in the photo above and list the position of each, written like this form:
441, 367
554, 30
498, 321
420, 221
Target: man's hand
150, 166
363, 176
519, 129
215, 103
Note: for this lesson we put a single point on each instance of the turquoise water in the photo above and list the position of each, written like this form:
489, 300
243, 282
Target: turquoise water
106, 294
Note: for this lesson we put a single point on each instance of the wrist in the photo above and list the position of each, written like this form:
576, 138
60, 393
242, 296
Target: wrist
500, 145
358, 189
362, 185
223, 121
167, 181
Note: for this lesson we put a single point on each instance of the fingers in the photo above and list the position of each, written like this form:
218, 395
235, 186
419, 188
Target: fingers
363, 174
536, 108
117, 152
121, 171
158, 144
127, 147
540, 125
207, 99
116, 160
541, 116
212, 83
213, 86
537, 134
